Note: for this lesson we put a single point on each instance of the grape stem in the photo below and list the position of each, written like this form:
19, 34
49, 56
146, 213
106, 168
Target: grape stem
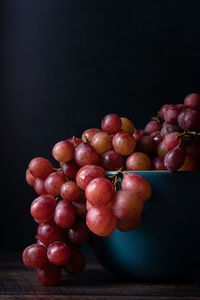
157, 118
117, 178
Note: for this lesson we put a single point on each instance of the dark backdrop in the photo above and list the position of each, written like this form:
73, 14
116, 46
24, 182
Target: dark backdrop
65, 64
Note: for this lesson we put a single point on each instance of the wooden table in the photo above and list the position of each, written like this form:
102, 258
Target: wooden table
19, 283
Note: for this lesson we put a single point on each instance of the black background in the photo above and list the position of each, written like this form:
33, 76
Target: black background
66, 64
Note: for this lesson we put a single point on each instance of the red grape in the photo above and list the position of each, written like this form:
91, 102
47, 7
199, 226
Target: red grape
127, 204
192, 101
43, 207
123, 143
30, 178
171, 140
157, 137
78, 233
35, 256
171, 114
87, 173
111, 123
64, 215
126, 225
127, 125
168, 128
74, 141
158, 163
40, 167
163, 109
147, 145
138, 161
101, 221
58, 253
101, 142
86, 155
63, 151
54, 182
111, 160
174, 159
99, 191
70, 191
48, 232
138, 134
49, 274
70, 169
39, 186
138, 184
76, 264
192, 148
152, 126
89, 133
161, 151
80, 205
189, 119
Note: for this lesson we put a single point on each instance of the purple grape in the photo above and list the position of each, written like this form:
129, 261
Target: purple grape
189, 119
171, 114
152, 126
168, 128
174, 159
192, 101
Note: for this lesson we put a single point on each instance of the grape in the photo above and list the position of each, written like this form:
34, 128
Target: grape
30, 178
168, 128
127, 125
78, 233
54, 182
39, 186
161, 151
76, 264
87, 173
48, 232
111, 160
99, 191
189, 119
80, 205
40, 167
157, 137
124, 143
138, 184
111, 123
138, 161
171, 114
89, 133
163, 109
49, 274
152, 126
101, 221
126, 225
147, 145
70, 169
158, 163
43, 207
74, 141
192, 101
192, 148
86, 155
35, 256
101, 142
171, 140
174, 159
190, 164
138, 134
70, 191
127, 204
63, 151
89, 205
58, 253
64, 215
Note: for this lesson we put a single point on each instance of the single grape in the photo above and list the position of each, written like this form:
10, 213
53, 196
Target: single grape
64, 215
58, 253
80, 205
189, 119
99, 191
168, 128
39, 186
78, 233
74, 141
42, 208
138, 134
48, 232
161, 151
63, 151
158, 163
30, 178
123, 143
138, 184
163, 109
152, 126
127, 125
174, 159
101, 142
40, 167
171, 114
70, 191
126, 225
157, 137
54, 182
89, 133
101, 221
138, 161
147, 145
171, 140
190, 164
49, 274
127, 204
87, 173
111, 123
111, 161
86, 155
192, 101
70, 169
76, 263
35, 256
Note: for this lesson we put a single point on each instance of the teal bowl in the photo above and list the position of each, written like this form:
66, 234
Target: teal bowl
167, 244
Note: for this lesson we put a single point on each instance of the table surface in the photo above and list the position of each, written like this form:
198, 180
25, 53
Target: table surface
18, 283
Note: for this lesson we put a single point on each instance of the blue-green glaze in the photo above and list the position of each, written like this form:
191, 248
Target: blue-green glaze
167, 245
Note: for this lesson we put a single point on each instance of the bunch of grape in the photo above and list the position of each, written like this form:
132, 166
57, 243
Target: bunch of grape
77, 198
